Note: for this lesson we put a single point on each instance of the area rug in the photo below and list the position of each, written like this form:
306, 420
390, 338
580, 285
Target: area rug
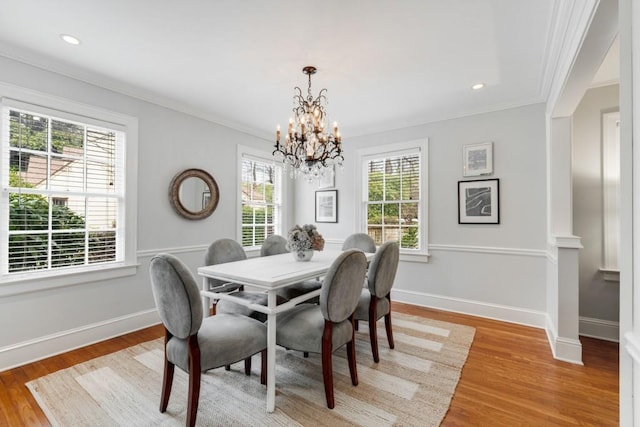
412, 385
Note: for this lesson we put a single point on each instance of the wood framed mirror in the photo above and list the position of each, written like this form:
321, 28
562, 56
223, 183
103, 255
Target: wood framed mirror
194, 194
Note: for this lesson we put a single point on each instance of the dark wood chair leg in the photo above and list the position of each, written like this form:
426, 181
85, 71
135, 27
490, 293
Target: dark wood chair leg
194, 380
247, 366
356, 324
263, 367
351, 357
227, 367
167, 378
387, 325
212, 311
327, 367
373, 335
305, 354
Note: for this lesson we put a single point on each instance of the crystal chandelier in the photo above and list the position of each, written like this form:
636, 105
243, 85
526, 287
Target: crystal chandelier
307, 148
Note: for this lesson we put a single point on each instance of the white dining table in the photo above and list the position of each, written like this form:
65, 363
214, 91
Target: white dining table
269, 274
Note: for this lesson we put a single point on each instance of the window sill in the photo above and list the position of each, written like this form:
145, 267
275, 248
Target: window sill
413, 257
610, 275
34, 282
252, 252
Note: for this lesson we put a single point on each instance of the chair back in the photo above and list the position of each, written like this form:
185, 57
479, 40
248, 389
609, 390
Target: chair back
176, 295
274, 245
342, 285
383, 268
220, 252
360, 241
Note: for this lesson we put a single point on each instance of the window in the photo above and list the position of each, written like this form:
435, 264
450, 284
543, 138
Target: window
63, 191
261, 199
611, 194
394, 195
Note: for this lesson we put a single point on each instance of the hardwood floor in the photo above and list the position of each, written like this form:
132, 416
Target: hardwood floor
510, 378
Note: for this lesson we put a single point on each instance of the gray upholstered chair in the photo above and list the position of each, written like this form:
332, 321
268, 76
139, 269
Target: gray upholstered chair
195, 344
375, 300
328, 326
228, 250
360, 241
275, 245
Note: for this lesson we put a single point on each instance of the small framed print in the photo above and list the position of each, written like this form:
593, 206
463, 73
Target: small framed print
477, 159
327, 206
479, 201
328, 179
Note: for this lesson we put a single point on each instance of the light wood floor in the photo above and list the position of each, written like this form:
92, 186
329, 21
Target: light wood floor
510, 378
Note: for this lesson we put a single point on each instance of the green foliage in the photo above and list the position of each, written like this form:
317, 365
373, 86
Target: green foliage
29, 212
255, 235
395, 185
31, 132
409, 238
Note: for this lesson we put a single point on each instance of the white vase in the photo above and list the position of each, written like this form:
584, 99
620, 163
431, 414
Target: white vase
303, 255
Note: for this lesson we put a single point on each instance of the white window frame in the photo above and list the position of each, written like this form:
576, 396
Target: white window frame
266, 157
17, 283
366, 154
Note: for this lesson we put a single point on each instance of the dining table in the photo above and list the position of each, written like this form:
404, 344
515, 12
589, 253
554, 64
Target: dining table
268, 274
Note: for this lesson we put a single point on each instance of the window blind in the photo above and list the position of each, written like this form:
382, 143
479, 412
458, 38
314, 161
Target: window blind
261, 198
65, 192
393, 199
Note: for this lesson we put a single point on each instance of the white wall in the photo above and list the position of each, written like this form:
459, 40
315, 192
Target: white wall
492, 270
599, 300
39, 323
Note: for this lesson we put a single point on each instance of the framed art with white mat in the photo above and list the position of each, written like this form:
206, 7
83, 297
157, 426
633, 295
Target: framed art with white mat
327, 206
477, 159
479, 201
328, 178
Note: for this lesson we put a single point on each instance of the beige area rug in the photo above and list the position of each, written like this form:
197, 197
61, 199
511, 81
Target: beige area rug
412, 385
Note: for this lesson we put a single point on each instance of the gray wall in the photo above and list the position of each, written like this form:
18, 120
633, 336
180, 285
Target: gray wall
496, 271
598, 299
169, 142
493, 270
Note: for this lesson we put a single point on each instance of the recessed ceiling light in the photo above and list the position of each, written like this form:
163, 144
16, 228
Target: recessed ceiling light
477, 86
70, 39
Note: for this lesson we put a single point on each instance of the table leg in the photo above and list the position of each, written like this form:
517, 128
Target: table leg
206, 301
271, 353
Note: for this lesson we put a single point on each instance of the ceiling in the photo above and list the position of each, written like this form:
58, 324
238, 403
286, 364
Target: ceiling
386, 65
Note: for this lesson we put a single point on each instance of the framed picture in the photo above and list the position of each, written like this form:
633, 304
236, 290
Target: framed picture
477, 159
328, 179
327, 206
479, 201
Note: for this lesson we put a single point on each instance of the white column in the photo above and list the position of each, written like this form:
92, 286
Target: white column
563, 283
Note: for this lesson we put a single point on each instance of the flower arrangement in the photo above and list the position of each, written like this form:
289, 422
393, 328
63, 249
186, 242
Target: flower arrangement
304, 238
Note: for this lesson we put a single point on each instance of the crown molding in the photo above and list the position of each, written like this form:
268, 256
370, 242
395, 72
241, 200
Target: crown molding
95, 79
570, 20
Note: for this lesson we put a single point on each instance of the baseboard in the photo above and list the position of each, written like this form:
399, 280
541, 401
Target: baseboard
62, 342
565, 349
503, 313
601, 329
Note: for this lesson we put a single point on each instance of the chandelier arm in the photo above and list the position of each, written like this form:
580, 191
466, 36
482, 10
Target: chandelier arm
307, 149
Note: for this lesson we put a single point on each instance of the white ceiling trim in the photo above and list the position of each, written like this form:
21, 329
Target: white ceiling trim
92, 78
572, 28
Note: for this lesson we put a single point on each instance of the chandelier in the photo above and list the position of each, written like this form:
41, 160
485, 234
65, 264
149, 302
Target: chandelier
308, 149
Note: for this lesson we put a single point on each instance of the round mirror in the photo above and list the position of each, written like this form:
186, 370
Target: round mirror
194, 194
